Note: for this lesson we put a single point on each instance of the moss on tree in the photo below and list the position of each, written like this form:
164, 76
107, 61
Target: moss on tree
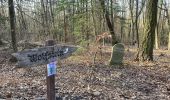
145, 52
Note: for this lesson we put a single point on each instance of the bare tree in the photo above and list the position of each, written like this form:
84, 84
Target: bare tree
145, 52
109, 23
168, 17
12, 24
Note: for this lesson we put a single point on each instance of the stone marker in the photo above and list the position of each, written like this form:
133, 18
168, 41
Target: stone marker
117, 54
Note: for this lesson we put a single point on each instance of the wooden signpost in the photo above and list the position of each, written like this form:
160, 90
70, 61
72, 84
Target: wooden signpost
45, 55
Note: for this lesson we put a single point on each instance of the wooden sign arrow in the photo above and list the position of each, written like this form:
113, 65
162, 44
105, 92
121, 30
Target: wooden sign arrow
44, 55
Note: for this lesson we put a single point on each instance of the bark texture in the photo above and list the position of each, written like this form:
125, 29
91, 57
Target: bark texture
12, 24
145, 52
108, 21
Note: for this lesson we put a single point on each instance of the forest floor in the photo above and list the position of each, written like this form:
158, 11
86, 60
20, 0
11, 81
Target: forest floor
84, 77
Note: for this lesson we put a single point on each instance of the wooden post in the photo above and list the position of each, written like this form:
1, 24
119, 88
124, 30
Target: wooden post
51, 78
45, 55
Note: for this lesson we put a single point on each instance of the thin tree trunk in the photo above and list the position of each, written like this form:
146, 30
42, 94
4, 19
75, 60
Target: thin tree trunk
122, 21
131, 7
109, 24
112, 18
2, 7
43, 16
169, 42
169, 32
168, 17
93, 17
87, 20
73, 20
12, 24
51, 11
65, 27
22, 22
158, 26
136, 23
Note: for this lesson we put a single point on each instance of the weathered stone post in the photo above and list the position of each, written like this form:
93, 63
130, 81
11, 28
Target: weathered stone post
117, 54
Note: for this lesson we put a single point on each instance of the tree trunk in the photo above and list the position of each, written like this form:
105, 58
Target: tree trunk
43, 17
65, 26
51, 12
136, 23
109, 24
169, 34
22, 22
131, 8
12, 24
168, 18
73, 20
87, 20
138, 13
111, 4
145, 52
156, 39
93, 17
169, 42
158, 26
